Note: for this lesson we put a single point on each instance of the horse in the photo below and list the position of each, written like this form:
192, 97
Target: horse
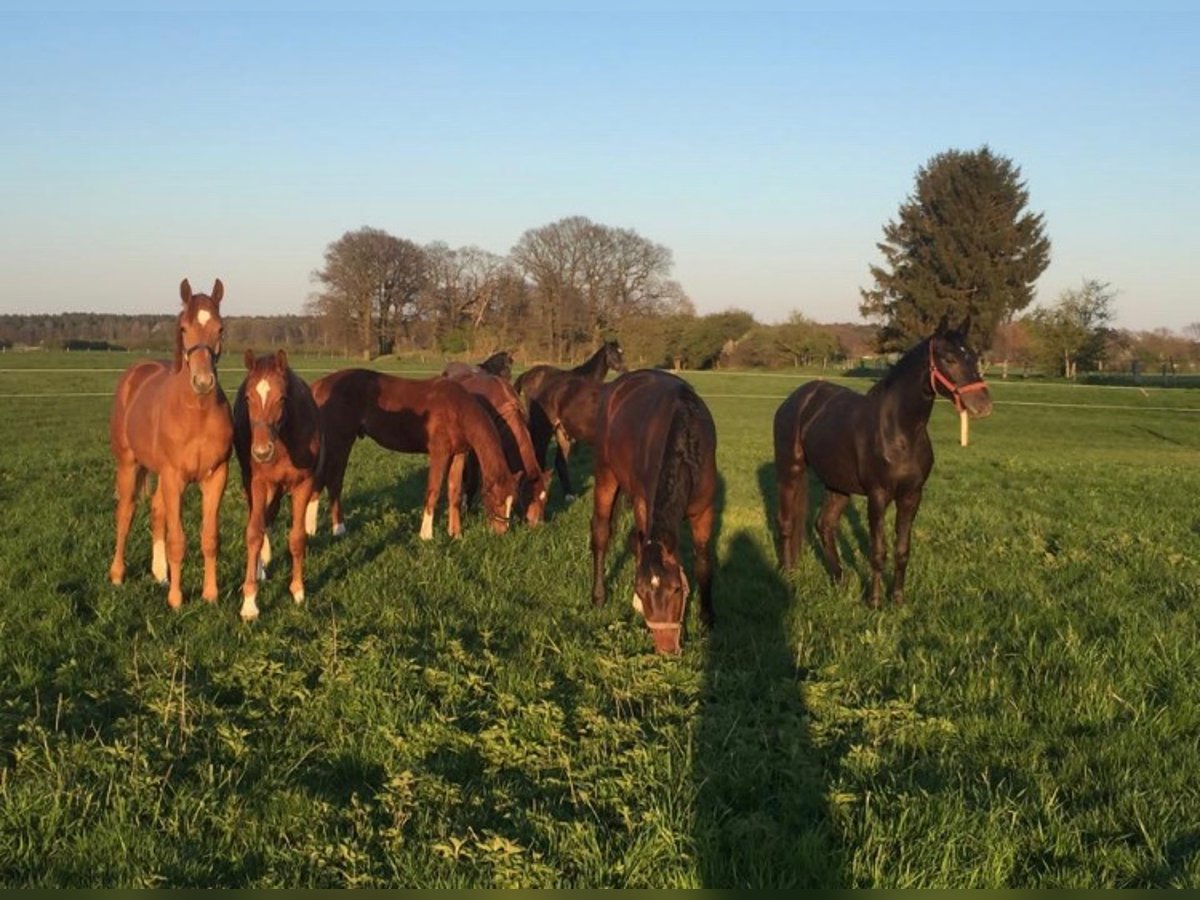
562, 403
875, 444
172, 419
499, 364
501, 402
277, 438
656, 441
437, 416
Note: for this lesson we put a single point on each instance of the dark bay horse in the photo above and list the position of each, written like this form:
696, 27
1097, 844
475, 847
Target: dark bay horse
501, 402
875, 444
437, 416
499, 364
562, 404
277, 438
172, 419
656, 442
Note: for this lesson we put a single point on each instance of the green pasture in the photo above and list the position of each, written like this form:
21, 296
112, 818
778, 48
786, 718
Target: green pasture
455, 713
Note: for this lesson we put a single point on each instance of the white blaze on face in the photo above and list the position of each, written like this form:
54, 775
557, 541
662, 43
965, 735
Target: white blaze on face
508, 502
263, 389
427, 527
655, 581
203, 316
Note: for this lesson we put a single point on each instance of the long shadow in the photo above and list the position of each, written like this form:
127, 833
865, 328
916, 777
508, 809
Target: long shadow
762, 819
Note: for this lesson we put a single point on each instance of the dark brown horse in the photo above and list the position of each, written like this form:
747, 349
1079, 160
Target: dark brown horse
562, 404
504, 406
277, 438
875, 444
655, 440
499, 364
172, 419
437, 416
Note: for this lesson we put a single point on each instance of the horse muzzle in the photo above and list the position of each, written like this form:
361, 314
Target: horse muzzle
263, 453
978, 404
203, 384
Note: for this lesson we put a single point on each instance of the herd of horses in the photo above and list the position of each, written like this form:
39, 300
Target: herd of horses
653, 437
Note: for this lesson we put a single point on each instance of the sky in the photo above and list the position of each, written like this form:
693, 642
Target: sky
765, 148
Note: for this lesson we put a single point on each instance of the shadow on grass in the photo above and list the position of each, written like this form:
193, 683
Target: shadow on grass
762, 817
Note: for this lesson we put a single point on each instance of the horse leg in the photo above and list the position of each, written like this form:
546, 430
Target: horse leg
701, 522
255, 529
827, 525
298, 537
439, 461
129, 476
877, 503
906, 512
158, 537
172, 500
454, 493
212, 488
792, 478
604, 492
274, 497
335, 473
561, 458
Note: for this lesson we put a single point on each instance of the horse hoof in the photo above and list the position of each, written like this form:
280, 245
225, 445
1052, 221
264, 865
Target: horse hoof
339, 529
298, 596
249, 610
570, 498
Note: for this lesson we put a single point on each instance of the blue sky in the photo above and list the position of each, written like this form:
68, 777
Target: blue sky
766, 149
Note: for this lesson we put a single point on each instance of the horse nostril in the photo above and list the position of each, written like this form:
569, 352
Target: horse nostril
262, 454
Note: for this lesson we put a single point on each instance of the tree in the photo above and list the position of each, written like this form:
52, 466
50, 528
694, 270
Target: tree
1074, 331
460, 288
369, 288
963, 243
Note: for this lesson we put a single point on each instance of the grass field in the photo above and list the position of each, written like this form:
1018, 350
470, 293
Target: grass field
456, 713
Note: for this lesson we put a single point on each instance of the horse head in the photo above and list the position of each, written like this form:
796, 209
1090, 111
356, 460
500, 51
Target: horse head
954, 369
536, 491
198, 336
660, 594
614, 356
265, 396
498, 497
499, 363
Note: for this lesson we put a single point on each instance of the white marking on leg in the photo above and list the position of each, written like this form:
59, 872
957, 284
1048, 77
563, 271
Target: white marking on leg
203, 316
264, 555
637, 605
260, 571
298, 595
249, 611
310, 516
427, 527
158, 564
339, 529
263, 389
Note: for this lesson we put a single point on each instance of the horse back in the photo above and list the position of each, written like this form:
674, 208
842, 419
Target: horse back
825, 426
573, 401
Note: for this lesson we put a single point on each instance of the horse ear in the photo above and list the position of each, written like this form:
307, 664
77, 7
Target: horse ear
248, 359
218, 292
942, 325
281, 359
185, 292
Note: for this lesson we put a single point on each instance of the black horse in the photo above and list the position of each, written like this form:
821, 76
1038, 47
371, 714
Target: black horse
562, 405
499, 364
875, 444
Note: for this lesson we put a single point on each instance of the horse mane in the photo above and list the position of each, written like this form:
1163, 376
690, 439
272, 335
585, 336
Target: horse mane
914, 357
678, 470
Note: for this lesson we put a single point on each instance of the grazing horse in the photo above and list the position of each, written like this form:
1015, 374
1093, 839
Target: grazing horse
655, 440
277, 438
562, 403
499, 363
172, 419
875, 444
501, 402
437, 416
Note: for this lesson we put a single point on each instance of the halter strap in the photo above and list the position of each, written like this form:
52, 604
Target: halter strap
188, 351
937, 377
664, 626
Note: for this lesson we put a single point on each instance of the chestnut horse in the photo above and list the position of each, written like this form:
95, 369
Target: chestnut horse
172, 419
277, 437
875, 444
437, 416
504, 406
655, 440
562, 404
499, 363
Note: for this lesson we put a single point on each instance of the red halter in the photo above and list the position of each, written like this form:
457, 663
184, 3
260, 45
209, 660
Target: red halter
936, 377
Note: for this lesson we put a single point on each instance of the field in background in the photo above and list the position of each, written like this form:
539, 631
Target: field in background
456, 713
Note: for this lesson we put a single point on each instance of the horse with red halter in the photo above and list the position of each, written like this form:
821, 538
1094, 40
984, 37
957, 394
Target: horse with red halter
562, 404
277, 438
655, 440
875, 444
172, 419
504, 406
437, 416
499, 364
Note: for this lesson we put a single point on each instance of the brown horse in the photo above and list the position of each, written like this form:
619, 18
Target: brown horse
562, 404
655, 440
504, 406
172, 419
499, 363
277, 437
875, 444
436, 416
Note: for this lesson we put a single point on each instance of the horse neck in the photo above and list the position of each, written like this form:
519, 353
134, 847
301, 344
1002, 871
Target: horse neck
484, 438
671, 494
903, 396
511, 414
595, 366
